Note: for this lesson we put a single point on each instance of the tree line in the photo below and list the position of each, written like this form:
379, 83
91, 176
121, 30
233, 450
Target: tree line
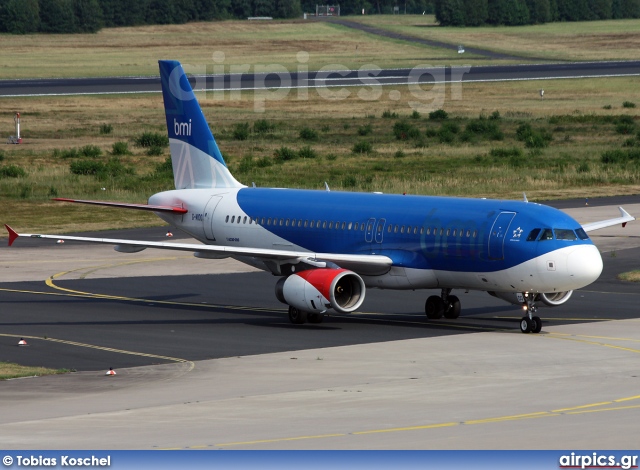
521, 12
89, 16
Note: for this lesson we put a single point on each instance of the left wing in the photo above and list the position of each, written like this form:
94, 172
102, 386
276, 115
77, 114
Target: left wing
623, 219
362, 264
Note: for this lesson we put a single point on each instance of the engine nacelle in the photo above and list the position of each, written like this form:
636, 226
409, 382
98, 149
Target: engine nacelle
550, 299
317, 290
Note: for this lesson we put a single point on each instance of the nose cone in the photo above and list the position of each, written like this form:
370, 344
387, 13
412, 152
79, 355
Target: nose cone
584, 264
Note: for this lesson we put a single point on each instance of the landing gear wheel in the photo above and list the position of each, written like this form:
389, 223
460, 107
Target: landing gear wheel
526, 325
453, 310
315, 317
538, 326
297, 317
434, 307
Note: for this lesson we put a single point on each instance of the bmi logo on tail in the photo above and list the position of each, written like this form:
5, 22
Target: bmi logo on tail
181, 128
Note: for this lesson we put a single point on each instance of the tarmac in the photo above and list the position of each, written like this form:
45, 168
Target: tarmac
574, 386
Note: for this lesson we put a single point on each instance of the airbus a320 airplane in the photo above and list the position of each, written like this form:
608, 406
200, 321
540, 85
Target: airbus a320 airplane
329, 247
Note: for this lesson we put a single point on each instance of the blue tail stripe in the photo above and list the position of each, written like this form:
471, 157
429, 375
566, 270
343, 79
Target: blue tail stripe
185, 120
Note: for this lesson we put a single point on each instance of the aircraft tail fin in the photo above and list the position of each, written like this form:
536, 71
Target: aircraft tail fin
195, 156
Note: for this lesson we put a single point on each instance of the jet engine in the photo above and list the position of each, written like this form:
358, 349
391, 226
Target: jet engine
316, 290
550, 299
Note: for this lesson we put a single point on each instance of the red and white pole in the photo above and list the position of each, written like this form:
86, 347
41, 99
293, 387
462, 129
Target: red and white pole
17, 120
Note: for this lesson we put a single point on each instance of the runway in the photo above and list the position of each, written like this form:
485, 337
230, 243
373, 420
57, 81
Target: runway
204, 80
207, 359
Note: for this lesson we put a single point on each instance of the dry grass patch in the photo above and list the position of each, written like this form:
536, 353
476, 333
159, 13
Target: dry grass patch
9, 370
630, 276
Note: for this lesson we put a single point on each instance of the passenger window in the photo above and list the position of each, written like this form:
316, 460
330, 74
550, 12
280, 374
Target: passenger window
269, 221
227, 219
389, 228
547, 234
369, 227
455, 231
582, 235
233, 218
324, 224
533, 235
379, 228
421, 230
306, 223
448, 232
468, 233
355, 227
244, 221
330, 224
350, 225
565, 234
395, 229
475, 233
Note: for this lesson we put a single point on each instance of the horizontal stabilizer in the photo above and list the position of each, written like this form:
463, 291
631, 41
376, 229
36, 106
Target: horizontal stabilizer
140, 207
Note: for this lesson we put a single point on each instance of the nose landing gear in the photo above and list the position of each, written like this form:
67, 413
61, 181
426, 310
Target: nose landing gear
530, 323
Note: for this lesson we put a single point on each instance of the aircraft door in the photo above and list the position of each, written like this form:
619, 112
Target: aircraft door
207, 219
498, 234
368, 235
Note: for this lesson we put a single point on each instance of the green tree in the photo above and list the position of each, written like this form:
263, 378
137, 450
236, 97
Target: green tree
601, 9
288, 9
88, 16
630, 8
263, 8
539, 11
57, 16
19, 16
450, 12
476, 12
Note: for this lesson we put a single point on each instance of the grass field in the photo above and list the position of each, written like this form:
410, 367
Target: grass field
572, 41
135, 51
430, 159
427, 157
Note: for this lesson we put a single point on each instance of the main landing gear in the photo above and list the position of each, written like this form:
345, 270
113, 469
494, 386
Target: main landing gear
530, 323
446, 305
298, 317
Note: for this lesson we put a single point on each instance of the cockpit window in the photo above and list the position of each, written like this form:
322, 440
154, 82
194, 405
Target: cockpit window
565, 234
533, 234
582, 235
547, 234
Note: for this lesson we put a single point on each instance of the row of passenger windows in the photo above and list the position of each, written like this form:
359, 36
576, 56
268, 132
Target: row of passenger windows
541, 234
355, 226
